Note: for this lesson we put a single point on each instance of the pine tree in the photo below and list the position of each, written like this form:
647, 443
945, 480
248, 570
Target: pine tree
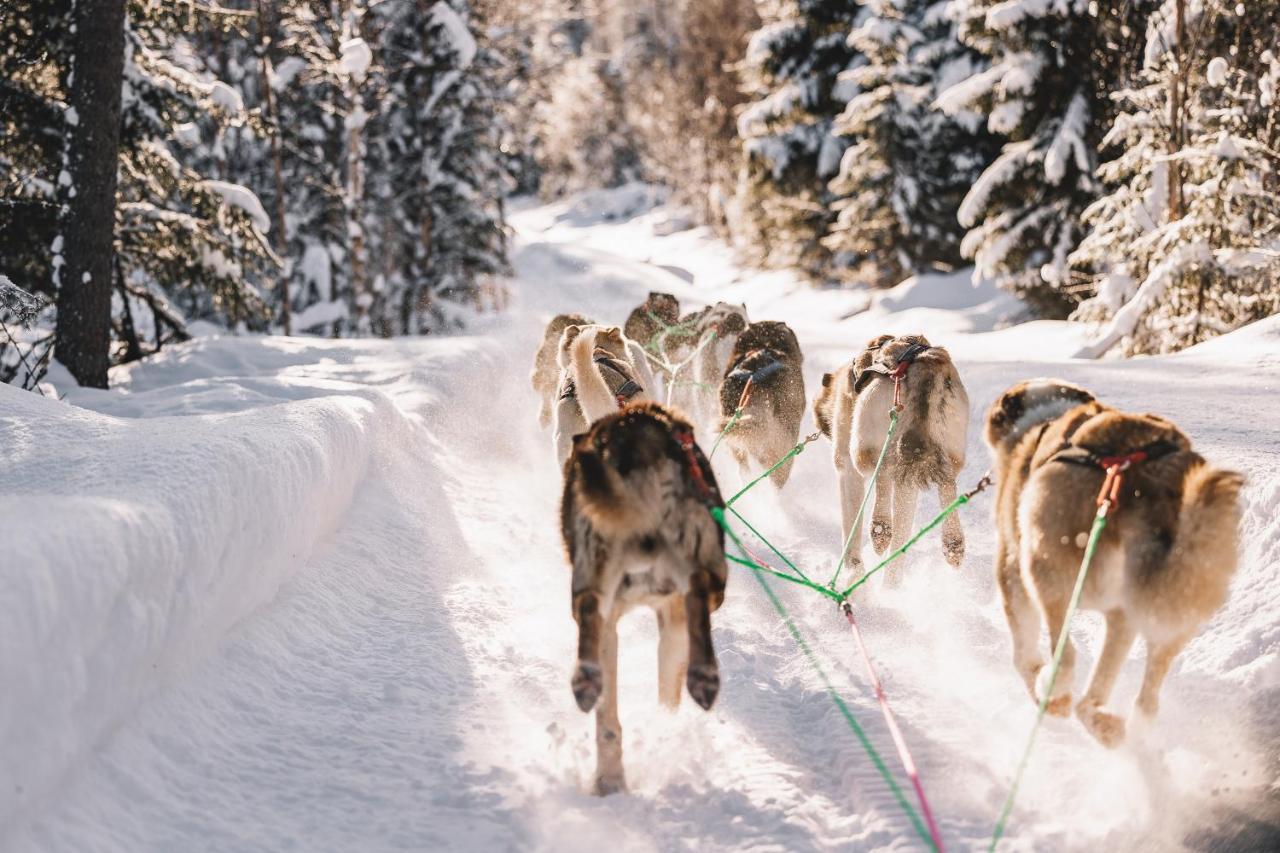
440, 175
792, 70
910, 164
1186, 243
1053, 66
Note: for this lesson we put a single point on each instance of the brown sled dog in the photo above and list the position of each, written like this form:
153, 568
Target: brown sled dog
928, 447
638, 531
545, 377
641, 326
1164, 560
764, 377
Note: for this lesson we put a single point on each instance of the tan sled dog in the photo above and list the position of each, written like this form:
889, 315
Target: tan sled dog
638, 531
1164, 560
597, 377
765, 377
928, 446
545, 377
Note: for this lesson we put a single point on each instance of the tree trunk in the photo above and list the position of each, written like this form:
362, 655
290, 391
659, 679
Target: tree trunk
88, 190
273, 120
1177, 86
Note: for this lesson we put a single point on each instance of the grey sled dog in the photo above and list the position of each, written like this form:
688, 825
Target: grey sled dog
1164, 560
928, 448
638, 530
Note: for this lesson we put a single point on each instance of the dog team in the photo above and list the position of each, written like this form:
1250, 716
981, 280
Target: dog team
638, 493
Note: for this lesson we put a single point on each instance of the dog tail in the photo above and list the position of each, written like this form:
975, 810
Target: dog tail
594, 395
618, 505
1204, 553
824, 404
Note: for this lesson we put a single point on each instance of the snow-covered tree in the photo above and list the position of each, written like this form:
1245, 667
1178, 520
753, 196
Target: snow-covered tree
1186, 243
1052, 67
792, 70
440, 177
902, 179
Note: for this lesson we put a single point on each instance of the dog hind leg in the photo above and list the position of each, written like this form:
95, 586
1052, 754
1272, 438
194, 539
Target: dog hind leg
673, 651
905, 496
882, 513
1054, 604
588, 680
1023, 619
703, 678
610, 778
851, 493
1108, 728
952, 532
1160, 657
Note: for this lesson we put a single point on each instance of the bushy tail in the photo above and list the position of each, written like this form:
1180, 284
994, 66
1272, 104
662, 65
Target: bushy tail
617, 505
594, 395
1204, 553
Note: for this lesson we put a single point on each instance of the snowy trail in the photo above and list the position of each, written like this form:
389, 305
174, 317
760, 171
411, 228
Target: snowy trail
407, 686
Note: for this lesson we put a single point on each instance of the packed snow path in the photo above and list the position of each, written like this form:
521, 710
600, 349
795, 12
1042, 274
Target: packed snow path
336, 614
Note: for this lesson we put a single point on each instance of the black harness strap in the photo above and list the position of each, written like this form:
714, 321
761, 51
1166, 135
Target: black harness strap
876, 371
1076, 455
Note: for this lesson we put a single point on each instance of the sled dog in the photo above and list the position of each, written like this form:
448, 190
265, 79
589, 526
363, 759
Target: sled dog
647, 320
597, 377
927, 449
545, 377
1164, 559
637, 530
764, 377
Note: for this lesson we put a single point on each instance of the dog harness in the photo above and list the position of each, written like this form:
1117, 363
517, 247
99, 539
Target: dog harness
898, 373
706, 493
753, 376
1114, 464
623, 394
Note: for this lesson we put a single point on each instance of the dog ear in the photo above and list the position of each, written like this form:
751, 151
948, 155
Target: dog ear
826, 380
878, 341
733, 323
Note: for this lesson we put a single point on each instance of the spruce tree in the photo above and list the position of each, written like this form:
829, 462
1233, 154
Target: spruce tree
1185, 244
792, 71
1053, 66
902, 179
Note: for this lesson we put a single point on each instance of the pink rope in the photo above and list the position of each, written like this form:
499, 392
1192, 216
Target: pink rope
908, 763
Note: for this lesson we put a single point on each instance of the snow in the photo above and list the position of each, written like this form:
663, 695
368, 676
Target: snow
1216, 74
355, 58
225, 97
464, 44
242, 198
300, 593
1068, 142
283, 74
317, 270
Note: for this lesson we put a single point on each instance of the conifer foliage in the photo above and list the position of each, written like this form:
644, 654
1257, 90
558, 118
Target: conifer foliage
365, 129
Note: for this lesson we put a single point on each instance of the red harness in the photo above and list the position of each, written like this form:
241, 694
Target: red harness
688, 445
1114, 464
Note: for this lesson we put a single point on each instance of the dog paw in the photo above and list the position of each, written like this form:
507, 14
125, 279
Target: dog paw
609, 783
1059, 706
1107, 728
588, 684
704, 684
953, 551
881, 532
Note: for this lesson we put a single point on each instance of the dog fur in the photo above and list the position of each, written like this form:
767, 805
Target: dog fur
637, 531
770, 422
595, 363
641, 326
927, 451
1164, 561
545, 376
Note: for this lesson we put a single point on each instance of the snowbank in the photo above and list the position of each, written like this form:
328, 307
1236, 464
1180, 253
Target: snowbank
131, 546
